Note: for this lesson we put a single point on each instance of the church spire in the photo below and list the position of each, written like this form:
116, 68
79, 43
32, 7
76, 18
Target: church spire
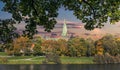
64, 31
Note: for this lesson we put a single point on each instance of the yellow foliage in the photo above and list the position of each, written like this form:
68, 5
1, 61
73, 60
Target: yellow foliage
118, 39
100, 50
21, 43
58, 46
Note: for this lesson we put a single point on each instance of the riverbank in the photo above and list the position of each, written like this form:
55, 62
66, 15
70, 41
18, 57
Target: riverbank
40, 59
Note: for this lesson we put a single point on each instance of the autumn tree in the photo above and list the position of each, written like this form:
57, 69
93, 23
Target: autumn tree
55, 46
43, 12
52, 50
62, 46
99, 48
108, 50
21, 45
118, 45
50, 46
46, 47
77, 47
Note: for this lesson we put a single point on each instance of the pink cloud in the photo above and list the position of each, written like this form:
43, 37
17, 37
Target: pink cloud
68, 22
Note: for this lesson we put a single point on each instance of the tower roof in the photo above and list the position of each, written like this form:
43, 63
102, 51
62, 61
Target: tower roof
64, 30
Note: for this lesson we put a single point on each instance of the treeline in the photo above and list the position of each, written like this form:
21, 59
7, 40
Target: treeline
74, 47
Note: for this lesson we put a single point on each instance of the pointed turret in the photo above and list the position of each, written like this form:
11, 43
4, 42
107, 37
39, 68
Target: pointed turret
64, 31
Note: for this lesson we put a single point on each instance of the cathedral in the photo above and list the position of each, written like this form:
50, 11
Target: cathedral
63, 34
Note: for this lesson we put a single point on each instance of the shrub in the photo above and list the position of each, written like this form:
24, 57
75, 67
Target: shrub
10, 52
3, 60
52, 58
37, 50
99, 59
106, 59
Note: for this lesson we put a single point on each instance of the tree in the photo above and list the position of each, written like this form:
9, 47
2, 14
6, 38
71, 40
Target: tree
43, 12
110, 44
7, 33
118, 45
52, 51
21, 45
90, 47
37, 48
62, 43
99, 48
50, 46
77, 47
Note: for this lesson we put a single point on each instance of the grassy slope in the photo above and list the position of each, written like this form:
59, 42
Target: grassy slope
3, 54
75, 60
38, 60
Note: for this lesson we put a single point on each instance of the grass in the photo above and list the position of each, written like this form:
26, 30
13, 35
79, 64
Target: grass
38, 60
24, 62
19, 57
3, 54
77, 60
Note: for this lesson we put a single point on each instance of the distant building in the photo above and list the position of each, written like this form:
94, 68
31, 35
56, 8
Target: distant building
63, 34
64, 31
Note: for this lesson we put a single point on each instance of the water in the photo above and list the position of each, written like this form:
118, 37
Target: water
62, 67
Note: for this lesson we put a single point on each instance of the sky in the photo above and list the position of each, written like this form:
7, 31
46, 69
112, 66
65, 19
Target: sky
4, 15
70, 18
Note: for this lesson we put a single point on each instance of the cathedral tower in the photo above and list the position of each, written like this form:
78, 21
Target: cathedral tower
64, 30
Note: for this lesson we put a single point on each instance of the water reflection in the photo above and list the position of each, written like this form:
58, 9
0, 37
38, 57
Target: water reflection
31, 67
61, 67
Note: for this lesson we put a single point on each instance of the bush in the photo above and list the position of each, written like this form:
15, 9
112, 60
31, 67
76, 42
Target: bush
117, 59
3, 60
27, 52
10, 52
37, 51
17, 54
106, 59
52, 58
99, 59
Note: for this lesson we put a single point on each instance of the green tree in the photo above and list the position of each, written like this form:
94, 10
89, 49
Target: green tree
108, 50
90, 47
1, 48
37, 46
43, 12
109, 44
77, 47
7, 33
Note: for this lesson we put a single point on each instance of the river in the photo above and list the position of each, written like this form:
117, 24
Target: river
61, 67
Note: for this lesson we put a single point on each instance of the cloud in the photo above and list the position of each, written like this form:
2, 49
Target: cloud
108, 28
68, 22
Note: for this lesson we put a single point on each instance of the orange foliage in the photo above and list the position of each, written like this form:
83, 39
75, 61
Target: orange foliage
58, 46
20, 44
99, 48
